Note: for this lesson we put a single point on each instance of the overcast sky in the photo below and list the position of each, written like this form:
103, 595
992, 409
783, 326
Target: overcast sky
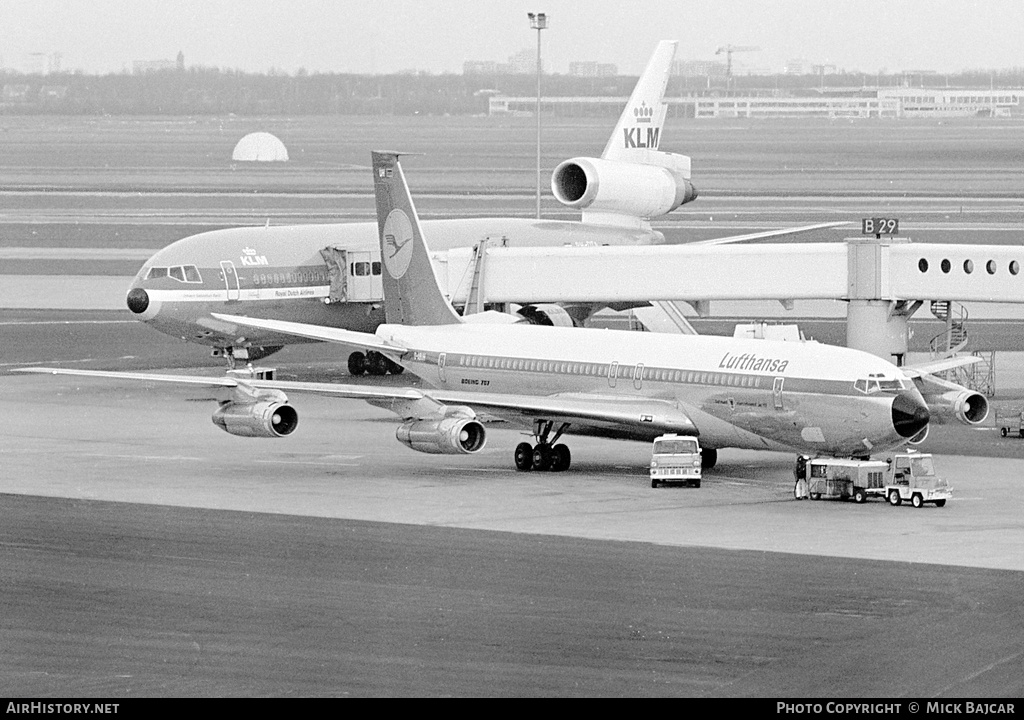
384, 36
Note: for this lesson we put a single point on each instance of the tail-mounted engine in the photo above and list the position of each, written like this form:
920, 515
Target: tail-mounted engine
448, 436
256, 413
623, 188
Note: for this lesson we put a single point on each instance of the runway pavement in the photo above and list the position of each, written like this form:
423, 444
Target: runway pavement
148, 553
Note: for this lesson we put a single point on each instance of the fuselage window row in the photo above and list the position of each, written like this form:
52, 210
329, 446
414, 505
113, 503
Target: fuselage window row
624, 372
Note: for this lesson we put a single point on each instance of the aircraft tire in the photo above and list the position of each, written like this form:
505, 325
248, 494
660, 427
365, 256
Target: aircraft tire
376, 363
561, 458
524, 457
542, 457
356, 364
708, 458
393, 367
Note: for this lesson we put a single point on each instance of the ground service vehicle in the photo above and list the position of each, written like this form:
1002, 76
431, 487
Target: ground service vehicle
839, 478
906, 475
1007, 427
675, 458
913, 478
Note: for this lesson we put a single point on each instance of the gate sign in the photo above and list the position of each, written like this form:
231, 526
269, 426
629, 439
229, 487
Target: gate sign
880, 226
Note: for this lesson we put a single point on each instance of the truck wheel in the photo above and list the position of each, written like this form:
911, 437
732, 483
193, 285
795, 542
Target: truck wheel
695, 483
1021, 431
894, 498
916, 500
815, 496
1003, 432
654, 483
859, 495
940, 503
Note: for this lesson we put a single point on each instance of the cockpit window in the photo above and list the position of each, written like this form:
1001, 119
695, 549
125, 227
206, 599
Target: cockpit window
876, 382
181, 273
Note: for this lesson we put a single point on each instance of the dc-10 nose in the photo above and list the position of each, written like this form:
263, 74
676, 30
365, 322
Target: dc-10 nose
138, 300
909, 414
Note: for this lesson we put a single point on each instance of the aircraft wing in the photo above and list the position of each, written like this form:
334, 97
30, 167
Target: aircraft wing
359, 392
606, 416
937, 366
769, 234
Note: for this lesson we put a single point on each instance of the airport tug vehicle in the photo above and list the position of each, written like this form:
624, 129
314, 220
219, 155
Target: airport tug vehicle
1010, 427
905, 476
676, 458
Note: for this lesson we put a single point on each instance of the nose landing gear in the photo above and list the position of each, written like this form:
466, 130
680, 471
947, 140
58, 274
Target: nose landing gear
546, 455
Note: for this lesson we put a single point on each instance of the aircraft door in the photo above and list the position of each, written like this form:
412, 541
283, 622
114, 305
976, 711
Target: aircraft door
777, 392
613, 371
638, 376
361, 278
442, 360
227, 269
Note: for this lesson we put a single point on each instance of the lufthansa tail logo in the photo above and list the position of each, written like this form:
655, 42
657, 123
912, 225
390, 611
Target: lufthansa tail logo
397, 248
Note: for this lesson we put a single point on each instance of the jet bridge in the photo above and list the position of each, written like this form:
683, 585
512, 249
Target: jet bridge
883, 281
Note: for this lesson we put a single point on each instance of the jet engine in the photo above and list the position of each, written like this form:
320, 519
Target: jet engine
967, 406
448, 436
546, 314
266, 414
621, 188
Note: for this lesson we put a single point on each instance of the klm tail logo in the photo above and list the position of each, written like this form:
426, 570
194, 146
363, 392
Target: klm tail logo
635, 137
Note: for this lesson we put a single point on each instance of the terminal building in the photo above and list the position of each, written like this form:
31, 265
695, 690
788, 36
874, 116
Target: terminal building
886, 102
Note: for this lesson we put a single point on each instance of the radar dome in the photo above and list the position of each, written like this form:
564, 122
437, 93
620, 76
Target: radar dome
259, 147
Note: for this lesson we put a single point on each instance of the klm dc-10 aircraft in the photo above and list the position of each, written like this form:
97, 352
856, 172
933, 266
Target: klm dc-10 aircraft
330, 274
757, 394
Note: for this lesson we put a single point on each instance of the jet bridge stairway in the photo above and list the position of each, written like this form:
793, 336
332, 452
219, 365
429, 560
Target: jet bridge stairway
981, 375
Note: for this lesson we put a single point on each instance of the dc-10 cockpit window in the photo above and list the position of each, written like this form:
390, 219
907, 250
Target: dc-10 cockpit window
181, 273
876, 383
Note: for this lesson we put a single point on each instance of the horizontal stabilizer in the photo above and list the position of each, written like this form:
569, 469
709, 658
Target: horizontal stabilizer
783, 232
366, 341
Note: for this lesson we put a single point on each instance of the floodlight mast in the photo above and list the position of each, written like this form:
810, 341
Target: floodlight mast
538, 22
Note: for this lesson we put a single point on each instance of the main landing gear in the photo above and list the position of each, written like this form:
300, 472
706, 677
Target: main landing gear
372, 363
546, 454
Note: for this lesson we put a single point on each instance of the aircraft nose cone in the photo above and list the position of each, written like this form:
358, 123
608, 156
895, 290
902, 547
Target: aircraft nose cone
138, 300
909, 414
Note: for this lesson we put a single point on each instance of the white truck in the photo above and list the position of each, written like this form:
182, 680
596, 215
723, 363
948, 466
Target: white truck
906, 475
675, 458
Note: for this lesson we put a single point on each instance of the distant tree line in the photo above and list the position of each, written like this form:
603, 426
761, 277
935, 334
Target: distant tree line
211, 91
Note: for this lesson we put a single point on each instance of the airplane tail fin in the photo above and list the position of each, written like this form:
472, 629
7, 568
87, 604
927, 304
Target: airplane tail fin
638, 131
412, 294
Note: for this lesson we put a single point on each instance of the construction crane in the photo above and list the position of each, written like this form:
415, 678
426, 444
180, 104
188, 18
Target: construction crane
729, 50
